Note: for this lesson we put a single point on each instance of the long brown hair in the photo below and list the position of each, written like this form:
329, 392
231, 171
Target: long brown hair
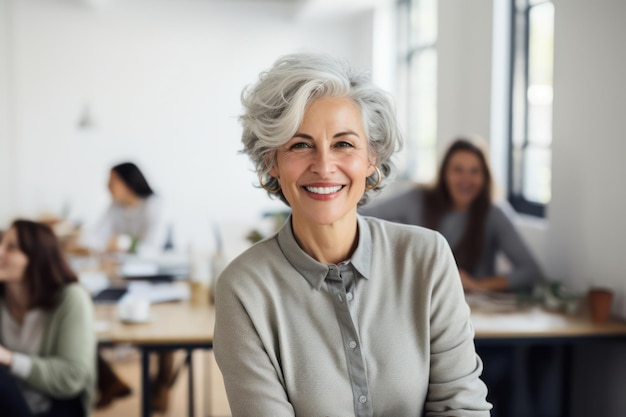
438, 202
47, 270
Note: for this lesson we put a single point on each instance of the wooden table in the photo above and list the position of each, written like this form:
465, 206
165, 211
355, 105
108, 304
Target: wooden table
537, 323
189, 325
519, 330
186, 325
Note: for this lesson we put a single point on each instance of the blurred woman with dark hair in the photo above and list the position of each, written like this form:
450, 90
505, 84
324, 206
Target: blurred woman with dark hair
135, 212
460, 206
47, 331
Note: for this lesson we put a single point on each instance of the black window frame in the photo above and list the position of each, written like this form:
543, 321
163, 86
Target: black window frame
520, 31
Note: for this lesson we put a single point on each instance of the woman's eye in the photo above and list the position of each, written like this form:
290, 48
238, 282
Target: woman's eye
300, 145
343, 144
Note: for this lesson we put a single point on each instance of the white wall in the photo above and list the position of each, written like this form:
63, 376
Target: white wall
162, 80
6, 148
585, 240
587, 227
464, 69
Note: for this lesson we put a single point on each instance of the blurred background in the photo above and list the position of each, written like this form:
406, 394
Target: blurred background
85, 84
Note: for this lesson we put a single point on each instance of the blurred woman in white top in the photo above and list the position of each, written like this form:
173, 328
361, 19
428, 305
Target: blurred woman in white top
135, 221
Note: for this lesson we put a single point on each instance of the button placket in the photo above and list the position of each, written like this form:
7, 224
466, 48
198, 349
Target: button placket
338, 280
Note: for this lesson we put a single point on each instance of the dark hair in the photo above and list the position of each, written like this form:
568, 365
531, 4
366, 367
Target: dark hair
47, 270
438, 201
131, 175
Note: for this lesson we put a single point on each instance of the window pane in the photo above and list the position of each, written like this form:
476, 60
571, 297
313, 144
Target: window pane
540, 63
422, 116
423, 22
518, 99
537, 175
516, 170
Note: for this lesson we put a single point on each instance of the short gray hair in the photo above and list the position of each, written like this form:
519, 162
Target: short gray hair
274, 109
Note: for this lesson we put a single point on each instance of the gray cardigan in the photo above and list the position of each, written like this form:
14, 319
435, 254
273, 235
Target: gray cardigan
66, 365
386, 334
500, 235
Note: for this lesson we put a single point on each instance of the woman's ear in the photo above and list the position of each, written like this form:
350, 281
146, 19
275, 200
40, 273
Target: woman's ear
274, 171
372, 167
274, 168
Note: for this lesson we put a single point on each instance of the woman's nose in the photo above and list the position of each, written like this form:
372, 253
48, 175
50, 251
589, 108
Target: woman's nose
323, 163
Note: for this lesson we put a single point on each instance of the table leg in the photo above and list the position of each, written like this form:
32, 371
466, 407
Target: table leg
208, 404
145, 382
520, 395
190, 400
566, 379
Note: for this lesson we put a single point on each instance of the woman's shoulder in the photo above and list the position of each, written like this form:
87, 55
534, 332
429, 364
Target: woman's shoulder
399, 245
501, 211
254, 258
154, 202
73, 294
388, 232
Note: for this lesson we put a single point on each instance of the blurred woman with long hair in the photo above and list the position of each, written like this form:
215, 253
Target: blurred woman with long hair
47, 330
460, 206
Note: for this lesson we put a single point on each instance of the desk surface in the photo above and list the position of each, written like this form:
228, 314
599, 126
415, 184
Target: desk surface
189, 321
193, 321
538, 323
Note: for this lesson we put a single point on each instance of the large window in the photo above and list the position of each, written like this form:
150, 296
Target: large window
417, 89
531, 106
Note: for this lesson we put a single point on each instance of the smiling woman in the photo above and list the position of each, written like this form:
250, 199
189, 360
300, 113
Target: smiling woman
337, 314
47, 338
322, 169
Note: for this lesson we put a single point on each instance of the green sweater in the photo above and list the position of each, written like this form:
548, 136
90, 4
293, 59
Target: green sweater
66, 364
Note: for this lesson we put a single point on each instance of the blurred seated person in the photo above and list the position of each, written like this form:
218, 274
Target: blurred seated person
137, 214
47, 336
460, 207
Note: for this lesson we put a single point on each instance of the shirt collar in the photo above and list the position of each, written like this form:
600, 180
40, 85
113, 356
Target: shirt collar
315, 272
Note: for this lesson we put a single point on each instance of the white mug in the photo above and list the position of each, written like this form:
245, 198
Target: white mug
134, 310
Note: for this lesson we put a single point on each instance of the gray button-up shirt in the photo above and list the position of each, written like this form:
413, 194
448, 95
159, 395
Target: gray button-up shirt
386, 333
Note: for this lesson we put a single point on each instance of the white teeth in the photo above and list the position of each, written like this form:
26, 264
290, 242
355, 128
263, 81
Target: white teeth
323, 190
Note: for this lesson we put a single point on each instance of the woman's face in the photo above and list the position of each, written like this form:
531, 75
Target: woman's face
119, 190
323, 167
13, 261
465, 178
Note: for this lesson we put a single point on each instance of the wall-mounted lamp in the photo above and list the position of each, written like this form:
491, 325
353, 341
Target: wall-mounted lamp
85, 119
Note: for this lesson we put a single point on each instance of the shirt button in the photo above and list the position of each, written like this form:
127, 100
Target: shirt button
352, 344
349, 296
362, 399
339, 298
